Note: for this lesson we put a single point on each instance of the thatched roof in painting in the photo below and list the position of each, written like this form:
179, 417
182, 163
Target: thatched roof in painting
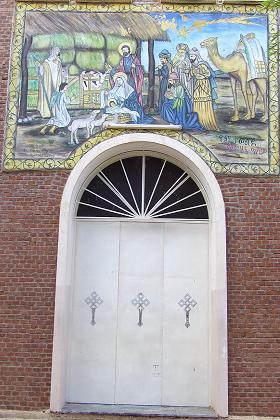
135, 25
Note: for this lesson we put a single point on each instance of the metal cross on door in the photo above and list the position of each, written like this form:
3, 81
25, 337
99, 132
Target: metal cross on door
93, 302
187, 303
141, 302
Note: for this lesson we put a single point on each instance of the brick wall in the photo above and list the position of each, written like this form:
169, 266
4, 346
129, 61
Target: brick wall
253, 264
29, 209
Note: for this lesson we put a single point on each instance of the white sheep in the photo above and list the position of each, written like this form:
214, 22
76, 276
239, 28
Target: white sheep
97, 123
82, 123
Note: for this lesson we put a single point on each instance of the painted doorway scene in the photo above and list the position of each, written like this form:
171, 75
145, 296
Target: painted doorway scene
139, 330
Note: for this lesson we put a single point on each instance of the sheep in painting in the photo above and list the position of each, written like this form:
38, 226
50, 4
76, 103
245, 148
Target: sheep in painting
97, 123
82, 123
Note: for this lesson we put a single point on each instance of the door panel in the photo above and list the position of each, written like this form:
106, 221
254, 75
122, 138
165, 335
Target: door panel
161, 362
185, 349
139, 347
93, 347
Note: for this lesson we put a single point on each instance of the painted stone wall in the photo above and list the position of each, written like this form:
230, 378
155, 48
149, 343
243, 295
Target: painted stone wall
29, 209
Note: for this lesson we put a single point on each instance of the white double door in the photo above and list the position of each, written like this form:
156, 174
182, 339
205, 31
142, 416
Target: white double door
117, 360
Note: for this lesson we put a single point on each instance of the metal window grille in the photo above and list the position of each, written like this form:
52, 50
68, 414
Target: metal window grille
143, 187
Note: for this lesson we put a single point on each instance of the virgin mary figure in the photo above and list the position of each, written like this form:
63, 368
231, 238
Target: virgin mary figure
126, 97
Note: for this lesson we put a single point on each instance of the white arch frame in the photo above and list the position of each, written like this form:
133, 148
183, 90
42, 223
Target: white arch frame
154, 143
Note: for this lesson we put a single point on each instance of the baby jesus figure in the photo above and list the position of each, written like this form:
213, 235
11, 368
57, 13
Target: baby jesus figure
115, 109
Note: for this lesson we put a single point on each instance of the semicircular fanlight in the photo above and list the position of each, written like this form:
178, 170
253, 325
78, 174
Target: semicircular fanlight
143, 187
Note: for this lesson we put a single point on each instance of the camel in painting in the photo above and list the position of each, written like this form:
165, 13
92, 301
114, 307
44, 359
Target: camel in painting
236, 66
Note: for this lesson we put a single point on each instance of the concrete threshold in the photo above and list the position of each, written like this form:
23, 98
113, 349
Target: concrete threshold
46, 415
140, 410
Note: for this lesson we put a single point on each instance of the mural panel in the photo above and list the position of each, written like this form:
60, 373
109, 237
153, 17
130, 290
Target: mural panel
79, 72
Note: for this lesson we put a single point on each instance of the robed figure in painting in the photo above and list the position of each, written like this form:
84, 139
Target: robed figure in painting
177, 107
164, 69
126, 97
58, 104
131, 66
50, 78
181, 64
254, 55
204, 93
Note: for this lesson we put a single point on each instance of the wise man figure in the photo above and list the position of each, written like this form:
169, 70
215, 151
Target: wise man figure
164, 70
204, 91
181, 64
131, 66
50, 78
254, 55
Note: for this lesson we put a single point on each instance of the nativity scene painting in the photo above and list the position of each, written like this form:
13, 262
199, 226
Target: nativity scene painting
84, 72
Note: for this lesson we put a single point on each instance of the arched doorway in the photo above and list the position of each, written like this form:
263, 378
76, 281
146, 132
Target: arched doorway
128, 323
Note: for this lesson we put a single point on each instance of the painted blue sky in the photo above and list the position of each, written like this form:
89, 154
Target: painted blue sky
192, 28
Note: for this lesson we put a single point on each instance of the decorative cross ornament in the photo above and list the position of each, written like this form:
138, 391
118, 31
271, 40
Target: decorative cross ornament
141, 303
187, 303
93, 302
